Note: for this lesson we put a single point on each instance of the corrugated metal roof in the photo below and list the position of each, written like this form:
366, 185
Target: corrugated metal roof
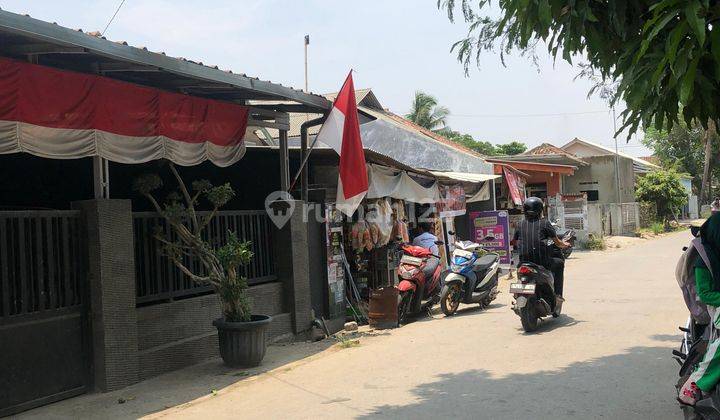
73, 49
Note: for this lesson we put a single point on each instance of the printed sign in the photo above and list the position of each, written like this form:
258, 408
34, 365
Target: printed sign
516, 193
491, 230
452, 201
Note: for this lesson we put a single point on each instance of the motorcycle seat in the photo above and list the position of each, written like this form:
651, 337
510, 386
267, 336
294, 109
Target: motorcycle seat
484, 262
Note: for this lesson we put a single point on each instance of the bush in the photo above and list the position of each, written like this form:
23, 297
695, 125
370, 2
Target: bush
664, 189
595, 243
657, 228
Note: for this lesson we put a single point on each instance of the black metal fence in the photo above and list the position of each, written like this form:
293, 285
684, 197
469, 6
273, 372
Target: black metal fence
158, 280
41, 264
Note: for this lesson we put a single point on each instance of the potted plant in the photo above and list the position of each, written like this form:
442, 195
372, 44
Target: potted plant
241, 334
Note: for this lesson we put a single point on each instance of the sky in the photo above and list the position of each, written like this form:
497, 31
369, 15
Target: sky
395, 47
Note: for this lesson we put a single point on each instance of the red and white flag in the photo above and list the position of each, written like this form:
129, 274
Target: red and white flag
341, 131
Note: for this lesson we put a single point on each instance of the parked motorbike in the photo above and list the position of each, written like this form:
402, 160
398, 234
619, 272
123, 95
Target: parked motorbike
419, 283
472, 277
534, 293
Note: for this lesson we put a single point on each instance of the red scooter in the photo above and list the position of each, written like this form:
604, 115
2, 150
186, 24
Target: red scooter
416, 292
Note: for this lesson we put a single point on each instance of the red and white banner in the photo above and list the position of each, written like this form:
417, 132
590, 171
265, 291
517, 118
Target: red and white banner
341, 131
516, 192
65, 115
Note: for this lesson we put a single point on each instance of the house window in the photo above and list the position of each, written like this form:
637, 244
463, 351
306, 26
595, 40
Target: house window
592, 195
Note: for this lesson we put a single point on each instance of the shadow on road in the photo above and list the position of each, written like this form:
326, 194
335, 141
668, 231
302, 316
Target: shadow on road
549, 324
635, 384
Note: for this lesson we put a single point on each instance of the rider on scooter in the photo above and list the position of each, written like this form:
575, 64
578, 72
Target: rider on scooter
427, 239
531, 234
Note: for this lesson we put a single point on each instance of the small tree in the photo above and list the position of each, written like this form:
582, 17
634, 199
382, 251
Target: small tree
664, 189
220, 264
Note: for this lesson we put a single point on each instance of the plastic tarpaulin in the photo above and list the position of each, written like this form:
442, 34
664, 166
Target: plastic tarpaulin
385, 182
64, 115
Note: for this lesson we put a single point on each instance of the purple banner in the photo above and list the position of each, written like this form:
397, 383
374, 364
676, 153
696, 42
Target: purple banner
491, 229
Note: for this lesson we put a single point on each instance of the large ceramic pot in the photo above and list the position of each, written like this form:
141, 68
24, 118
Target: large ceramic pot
242, 344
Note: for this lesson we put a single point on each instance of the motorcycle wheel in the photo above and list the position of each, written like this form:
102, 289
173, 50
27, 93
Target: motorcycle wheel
404, 306
450, 298
528, 317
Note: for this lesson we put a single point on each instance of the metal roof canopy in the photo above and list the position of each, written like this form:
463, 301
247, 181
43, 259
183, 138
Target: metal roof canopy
49, 44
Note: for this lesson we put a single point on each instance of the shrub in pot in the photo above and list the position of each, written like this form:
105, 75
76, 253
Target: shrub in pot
241, 334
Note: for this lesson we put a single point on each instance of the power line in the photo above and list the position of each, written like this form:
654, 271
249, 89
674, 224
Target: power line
559, 114
112, 18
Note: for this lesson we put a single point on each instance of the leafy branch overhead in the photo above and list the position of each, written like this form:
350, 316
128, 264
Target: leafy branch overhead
220, 265
664, 55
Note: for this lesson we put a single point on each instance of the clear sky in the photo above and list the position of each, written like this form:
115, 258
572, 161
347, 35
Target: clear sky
396, 47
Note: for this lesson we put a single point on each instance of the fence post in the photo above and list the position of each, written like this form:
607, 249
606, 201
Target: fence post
108, 247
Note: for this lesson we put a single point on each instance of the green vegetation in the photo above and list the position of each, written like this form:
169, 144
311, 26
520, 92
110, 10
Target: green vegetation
595, 243
426, 113
221, 265
657, 228
660, 58
664, 189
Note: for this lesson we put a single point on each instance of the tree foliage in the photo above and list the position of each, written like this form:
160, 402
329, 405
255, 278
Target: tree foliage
663, 187
664, 55
485, 148
512, 148
221, 265
426, 112
681, 148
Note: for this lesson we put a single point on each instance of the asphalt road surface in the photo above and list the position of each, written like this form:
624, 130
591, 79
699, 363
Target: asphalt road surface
608, 356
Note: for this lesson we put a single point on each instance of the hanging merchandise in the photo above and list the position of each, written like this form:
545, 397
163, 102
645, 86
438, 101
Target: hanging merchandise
383, 219
360, 236
400, 227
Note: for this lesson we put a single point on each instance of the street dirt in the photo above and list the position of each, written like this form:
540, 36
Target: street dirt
607, 356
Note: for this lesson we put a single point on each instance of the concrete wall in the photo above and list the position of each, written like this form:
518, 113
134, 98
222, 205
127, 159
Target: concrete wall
600, 175
177, 334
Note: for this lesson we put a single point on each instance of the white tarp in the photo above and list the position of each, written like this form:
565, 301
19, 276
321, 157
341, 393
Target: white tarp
464, 176
385, 182
482, 194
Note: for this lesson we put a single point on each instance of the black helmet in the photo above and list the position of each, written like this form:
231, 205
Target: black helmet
533, 207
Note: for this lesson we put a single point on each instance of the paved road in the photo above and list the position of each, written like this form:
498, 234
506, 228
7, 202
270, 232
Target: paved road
608, 357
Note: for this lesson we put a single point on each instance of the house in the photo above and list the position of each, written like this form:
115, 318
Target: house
609, 177
87, 299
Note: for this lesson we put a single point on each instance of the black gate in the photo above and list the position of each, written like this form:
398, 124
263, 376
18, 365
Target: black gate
43, 348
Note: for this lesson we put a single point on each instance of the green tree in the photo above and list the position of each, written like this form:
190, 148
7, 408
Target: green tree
663, 188
512, 148
426, 112
662, 55
681, 148
485, 148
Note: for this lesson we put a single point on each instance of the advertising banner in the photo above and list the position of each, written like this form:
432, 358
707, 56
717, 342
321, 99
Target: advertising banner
452, 201
516, 193
491, 230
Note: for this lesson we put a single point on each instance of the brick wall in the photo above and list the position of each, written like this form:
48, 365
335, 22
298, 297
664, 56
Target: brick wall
177, 334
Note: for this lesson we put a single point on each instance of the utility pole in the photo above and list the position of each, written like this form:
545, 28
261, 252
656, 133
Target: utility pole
617, 159
307, 42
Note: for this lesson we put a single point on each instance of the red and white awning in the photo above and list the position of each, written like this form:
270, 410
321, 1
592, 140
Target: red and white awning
66, 115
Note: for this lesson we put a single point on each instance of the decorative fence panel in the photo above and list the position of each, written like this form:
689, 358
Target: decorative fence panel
41, 264
158, 280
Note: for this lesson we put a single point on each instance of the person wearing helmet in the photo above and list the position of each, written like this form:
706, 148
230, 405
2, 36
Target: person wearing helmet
531, 236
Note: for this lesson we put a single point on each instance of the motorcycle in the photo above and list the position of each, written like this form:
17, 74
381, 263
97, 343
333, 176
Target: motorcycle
534, 294
415, 291
567, 235
472, 277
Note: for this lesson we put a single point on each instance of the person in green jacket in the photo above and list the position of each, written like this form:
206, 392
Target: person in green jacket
707, 284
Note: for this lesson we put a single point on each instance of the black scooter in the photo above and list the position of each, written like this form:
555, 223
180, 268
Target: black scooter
534, 293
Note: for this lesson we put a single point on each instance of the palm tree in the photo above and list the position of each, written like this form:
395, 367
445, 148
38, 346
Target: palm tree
426, 113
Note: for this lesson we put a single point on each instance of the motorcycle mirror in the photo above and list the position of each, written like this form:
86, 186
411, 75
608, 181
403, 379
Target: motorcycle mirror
489, 238
439, 243
451, 233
